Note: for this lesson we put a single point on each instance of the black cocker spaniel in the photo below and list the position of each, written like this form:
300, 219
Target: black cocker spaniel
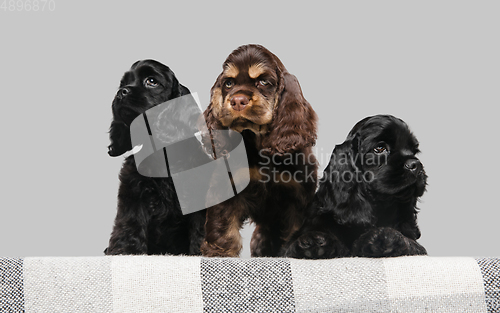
149, 219
366, 202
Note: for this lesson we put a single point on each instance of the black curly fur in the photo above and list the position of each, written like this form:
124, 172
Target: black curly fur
366, 202
149, 219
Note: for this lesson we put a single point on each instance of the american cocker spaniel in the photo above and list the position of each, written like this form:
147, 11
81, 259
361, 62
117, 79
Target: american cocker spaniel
256, 96
366, 201
149, 219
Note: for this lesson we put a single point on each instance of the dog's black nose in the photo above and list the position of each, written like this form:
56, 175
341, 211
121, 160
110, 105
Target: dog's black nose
123, 92
413, 165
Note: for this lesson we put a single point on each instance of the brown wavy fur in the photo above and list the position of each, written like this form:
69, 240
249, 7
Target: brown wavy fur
278, 126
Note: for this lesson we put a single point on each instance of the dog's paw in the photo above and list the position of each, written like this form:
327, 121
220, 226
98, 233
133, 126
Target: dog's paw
214, 250
381, 242
316, 245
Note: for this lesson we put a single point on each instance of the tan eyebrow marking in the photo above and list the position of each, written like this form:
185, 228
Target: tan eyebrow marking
255, 70
231, 71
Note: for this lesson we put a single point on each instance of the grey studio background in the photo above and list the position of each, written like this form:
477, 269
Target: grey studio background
435, 64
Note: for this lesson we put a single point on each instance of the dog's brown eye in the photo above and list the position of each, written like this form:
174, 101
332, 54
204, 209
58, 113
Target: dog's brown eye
264, 82
380, 149
151, 82
229, 83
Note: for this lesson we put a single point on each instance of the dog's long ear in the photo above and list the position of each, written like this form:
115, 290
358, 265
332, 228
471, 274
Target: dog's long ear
345, 178
215, 106
293, 127
178, 89
213, 139
119, 135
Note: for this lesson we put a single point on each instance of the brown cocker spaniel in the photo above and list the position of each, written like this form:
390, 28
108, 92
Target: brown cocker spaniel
256, 96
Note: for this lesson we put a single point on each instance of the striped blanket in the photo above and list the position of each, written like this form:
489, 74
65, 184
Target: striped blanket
196, 284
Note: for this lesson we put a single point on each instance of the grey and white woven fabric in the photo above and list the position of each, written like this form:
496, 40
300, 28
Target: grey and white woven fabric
490, 268
194, 284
